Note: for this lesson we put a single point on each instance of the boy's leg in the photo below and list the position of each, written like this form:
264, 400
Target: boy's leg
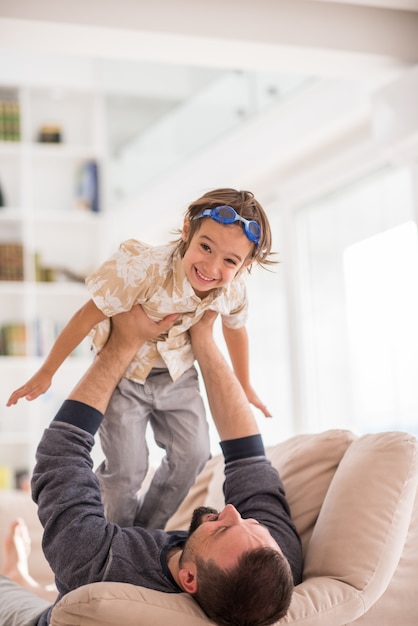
18, 606
180, 427
122, 437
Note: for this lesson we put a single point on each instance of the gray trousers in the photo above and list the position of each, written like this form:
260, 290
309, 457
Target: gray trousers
177, 416
18, 606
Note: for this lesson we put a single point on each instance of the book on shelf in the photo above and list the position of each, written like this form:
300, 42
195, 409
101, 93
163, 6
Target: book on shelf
87, 187
13, 339
12, 478
11, 261
6, 477
44, 333
49, 274
35, 338
9, 115
2, 198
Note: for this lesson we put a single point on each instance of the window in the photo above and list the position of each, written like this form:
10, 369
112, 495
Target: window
381, 280
358, 291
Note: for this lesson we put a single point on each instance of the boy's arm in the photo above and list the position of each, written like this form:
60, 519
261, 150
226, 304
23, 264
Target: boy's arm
236, 340
72, 334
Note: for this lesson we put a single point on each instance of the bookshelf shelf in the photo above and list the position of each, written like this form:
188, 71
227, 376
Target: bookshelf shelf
60, 151
11, 148
51, 237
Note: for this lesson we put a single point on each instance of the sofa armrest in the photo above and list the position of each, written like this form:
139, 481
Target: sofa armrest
362, 527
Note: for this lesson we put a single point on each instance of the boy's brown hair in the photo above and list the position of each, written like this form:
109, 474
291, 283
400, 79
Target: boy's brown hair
246, 206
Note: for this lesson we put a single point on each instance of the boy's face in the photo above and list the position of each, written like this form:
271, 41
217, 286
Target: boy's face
216, 253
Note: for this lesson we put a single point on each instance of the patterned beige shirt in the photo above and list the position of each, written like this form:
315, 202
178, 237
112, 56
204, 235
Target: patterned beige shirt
154, 277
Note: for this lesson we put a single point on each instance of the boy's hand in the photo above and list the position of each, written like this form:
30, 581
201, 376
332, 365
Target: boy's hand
34, 387
253, 399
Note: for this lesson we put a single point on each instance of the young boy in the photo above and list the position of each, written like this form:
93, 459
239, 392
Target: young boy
223, 233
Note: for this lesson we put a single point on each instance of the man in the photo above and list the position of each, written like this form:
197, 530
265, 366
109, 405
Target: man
240, 564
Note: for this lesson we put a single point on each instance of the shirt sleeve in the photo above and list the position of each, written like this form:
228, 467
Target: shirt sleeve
237, 293
79, 414
123, 280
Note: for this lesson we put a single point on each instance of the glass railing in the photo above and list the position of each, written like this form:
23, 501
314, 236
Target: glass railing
227, 103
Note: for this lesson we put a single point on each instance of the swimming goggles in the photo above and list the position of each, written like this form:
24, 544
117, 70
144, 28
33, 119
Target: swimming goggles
228, 215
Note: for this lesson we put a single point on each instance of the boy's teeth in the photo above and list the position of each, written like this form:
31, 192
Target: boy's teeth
202, 276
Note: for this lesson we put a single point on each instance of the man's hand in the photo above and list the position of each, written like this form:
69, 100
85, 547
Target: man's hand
133, 328
201, 333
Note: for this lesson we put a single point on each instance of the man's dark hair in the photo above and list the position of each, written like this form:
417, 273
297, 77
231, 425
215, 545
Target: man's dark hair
256, 592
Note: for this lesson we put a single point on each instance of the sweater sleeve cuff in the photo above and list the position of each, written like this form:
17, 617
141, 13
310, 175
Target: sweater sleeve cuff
242, 448
79, 414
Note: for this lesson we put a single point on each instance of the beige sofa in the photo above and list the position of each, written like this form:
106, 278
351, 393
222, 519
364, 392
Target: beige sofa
353, 500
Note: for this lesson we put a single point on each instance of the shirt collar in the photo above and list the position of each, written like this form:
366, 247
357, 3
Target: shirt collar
176, 538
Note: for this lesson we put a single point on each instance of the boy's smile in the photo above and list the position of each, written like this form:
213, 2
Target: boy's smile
215, 255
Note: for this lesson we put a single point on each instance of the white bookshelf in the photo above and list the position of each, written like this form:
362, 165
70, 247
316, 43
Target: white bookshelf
42, 215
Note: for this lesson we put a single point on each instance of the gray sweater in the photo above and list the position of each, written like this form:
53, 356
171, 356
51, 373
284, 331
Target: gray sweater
82, 547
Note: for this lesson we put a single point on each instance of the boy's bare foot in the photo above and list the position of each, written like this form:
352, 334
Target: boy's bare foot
16, 550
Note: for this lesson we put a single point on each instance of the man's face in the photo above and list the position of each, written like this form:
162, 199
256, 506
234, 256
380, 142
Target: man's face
224, 536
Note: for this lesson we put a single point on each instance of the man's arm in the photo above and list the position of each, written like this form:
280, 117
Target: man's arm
228, 403
252, 485
77, 540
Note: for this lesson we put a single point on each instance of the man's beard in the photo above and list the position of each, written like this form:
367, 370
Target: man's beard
197, 517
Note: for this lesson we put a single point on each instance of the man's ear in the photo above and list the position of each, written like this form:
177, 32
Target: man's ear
186, 229
188, 578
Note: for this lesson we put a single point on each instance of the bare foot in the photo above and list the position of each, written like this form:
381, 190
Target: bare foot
16, 548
